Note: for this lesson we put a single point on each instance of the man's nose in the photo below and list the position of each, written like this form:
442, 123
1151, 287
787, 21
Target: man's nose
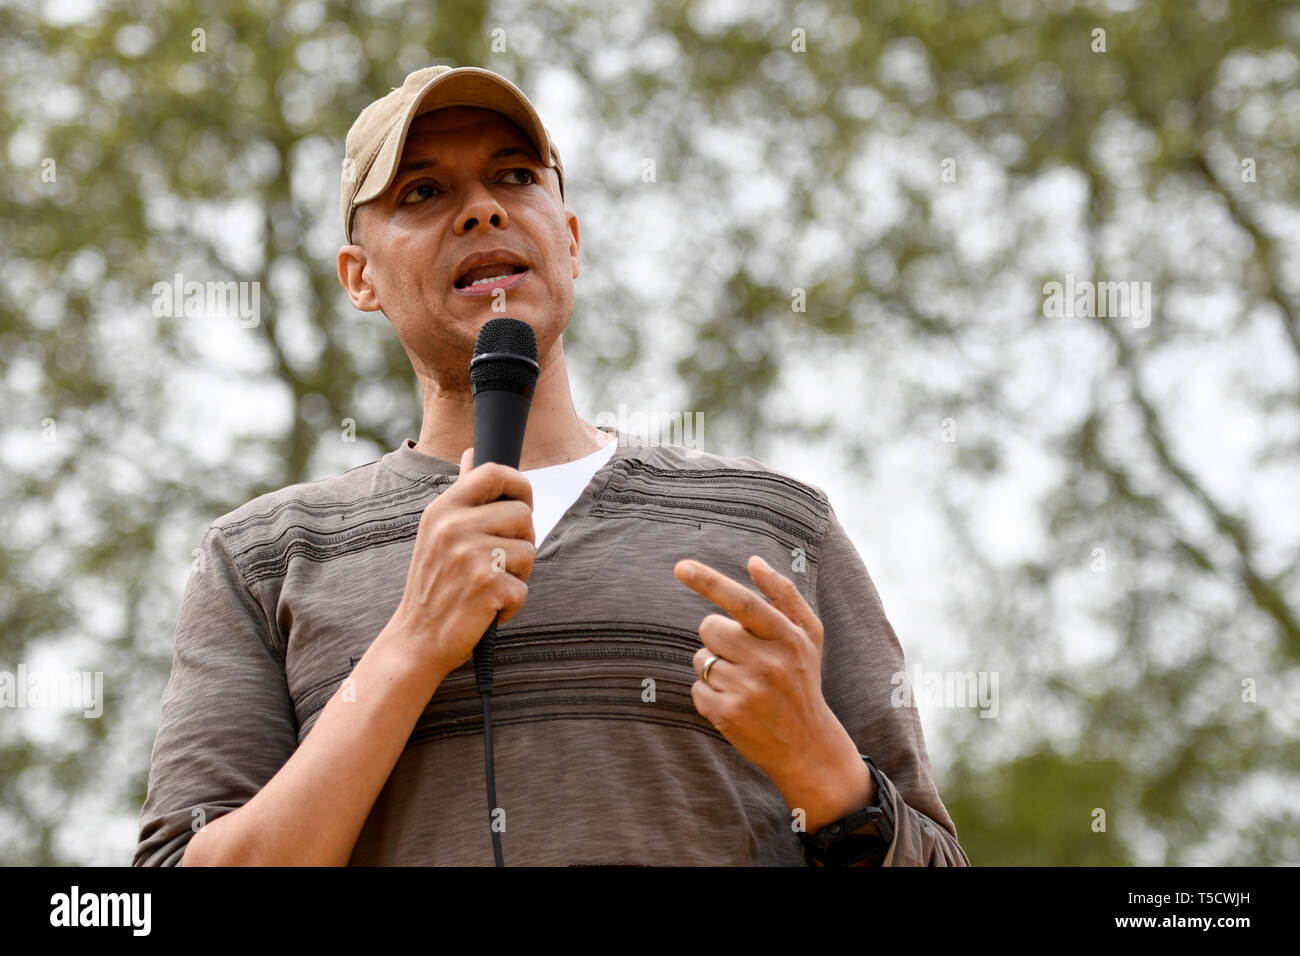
481, 207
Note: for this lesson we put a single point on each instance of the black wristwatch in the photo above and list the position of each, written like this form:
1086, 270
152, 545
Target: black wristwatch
867, 832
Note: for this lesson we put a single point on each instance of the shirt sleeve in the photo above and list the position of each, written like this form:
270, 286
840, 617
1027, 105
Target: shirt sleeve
860, 657
228, 721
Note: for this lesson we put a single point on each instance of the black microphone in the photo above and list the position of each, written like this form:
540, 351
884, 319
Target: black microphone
502, 375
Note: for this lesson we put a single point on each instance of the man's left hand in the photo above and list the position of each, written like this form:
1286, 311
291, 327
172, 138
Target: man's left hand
764, 692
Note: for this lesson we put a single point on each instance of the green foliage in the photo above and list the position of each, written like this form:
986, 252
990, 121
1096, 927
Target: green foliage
777, 170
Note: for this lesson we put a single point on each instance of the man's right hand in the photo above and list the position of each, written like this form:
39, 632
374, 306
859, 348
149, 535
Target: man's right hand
473, 555
312, 810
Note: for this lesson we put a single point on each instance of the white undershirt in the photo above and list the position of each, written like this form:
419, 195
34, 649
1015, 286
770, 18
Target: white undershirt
557, 487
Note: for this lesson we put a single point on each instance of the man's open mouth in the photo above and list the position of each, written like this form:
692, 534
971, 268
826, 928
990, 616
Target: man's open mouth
488, 275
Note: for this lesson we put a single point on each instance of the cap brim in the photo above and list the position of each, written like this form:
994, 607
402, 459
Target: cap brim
467, 86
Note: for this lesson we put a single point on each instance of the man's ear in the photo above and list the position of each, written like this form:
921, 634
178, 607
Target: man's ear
574, 242
354, 279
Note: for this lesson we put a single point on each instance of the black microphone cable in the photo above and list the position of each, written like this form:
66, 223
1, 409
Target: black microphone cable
483, 674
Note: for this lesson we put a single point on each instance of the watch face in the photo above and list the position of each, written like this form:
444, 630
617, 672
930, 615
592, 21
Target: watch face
854, 848
845, 852
846, 847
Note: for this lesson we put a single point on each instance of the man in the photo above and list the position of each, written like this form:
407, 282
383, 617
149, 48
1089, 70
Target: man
648, 708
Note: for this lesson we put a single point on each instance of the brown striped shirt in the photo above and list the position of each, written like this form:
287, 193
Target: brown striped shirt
600, 754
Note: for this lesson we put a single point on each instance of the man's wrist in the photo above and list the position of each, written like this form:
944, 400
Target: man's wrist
862, 837
398, 655
831, 788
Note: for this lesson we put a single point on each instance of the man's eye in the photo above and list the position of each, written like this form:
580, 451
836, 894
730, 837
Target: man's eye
407, 200
526, 172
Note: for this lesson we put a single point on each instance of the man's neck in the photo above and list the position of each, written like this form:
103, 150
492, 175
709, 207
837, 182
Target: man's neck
555, 434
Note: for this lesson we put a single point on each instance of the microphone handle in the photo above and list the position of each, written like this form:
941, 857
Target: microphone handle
500, 419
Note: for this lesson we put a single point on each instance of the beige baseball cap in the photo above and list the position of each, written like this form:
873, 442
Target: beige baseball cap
375, 141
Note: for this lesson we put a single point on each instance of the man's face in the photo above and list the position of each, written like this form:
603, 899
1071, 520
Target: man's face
469, 183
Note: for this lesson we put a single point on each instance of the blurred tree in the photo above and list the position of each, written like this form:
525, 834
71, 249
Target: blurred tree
915, 172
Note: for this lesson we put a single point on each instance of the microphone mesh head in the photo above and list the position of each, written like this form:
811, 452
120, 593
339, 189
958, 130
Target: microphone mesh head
505, 337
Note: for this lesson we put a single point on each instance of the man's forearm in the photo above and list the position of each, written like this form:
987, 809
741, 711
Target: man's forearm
312, 811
